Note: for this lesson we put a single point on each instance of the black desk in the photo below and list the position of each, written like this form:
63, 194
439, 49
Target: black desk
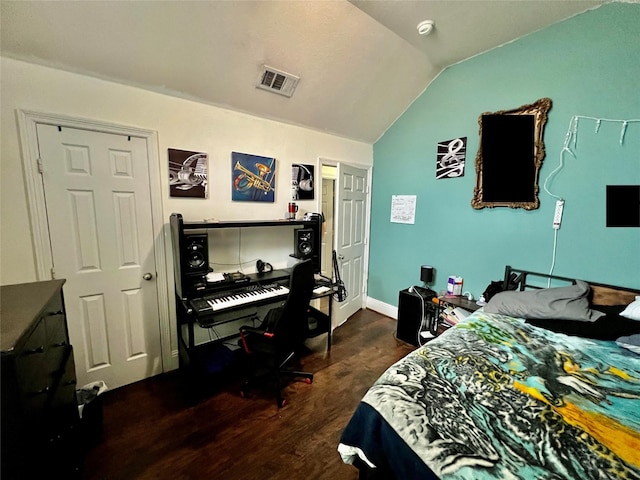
189, 318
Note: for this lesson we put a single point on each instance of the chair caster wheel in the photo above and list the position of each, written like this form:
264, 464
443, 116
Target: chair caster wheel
308, 380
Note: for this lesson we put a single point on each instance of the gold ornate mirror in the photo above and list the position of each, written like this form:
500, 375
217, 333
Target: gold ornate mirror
509, 157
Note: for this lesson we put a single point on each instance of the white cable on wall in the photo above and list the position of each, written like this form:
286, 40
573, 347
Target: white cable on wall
570, 143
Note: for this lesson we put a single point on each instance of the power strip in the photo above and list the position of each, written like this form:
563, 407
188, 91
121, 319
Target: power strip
557, 216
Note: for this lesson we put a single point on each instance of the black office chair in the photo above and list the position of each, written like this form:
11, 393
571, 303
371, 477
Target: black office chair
281, 334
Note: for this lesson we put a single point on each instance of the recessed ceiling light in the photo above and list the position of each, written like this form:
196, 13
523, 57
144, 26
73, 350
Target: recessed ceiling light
426, 27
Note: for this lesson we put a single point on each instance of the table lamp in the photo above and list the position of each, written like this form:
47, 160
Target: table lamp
426, 274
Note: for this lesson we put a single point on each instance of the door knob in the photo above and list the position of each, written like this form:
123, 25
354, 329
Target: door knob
147, 276
341, 257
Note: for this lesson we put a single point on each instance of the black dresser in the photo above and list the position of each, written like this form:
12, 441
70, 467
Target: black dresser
40, 421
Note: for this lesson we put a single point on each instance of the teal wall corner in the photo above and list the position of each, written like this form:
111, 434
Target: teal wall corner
589, 72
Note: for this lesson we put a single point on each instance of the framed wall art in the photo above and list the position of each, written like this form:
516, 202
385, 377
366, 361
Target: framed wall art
188, 174
302, 182
253, 178
510, 156
451, 158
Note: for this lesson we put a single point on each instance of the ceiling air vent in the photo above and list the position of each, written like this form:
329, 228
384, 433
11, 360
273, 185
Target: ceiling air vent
277, 81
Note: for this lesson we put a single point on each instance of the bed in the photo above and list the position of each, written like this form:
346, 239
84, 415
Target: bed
543, 382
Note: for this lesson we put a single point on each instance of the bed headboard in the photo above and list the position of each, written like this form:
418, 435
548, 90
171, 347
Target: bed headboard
601, 294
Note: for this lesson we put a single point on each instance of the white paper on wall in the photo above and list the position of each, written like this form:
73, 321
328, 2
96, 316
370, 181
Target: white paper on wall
403, 208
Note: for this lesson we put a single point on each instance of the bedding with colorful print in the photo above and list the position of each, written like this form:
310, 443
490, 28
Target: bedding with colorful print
498, 398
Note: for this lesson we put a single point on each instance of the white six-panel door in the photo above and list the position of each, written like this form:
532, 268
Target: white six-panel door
98, 204
351, 200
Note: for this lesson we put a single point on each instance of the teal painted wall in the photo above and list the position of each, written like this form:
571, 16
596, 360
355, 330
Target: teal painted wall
589, 66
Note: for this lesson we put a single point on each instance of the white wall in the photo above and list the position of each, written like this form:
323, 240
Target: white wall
180, 124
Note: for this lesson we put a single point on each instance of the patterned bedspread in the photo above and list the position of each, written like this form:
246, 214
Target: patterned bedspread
495, 397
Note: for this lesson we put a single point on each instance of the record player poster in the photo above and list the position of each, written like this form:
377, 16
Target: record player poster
451, 158
302, 182
253, 178
188, 174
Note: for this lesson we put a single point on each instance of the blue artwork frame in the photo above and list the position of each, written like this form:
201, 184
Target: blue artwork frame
253, 178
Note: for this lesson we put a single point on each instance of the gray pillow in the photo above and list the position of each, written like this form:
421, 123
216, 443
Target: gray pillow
562, 303
631, 342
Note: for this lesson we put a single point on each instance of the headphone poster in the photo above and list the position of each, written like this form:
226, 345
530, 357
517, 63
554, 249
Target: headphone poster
302, 182
253, 178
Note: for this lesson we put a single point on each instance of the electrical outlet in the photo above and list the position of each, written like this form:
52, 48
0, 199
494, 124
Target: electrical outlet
557, 216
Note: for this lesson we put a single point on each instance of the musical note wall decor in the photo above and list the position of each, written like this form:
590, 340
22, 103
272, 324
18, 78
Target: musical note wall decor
451, 158
253, 178
188, 174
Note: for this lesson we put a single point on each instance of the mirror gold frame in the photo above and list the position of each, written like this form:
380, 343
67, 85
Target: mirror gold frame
500, 182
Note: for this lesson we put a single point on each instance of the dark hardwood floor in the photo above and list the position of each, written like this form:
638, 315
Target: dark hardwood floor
160, 428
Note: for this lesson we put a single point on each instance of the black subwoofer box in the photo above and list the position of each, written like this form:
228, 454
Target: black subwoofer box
410, 310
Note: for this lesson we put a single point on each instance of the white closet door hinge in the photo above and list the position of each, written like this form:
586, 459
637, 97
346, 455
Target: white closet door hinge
39, 163
53, 273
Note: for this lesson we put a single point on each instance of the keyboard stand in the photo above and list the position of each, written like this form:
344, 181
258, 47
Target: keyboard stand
189, 321
323, 324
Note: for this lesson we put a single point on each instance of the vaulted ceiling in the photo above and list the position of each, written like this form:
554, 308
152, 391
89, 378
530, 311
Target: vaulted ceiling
360, 63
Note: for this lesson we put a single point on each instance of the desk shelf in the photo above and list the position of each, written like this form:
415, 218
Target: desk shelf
195, 225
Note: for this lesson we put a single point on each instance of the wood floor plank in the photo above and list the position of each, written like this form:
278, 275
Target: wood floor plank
156, 429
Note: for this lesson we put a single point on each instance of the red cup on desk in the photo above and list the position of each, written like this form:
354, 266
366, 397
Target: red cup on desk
292, 211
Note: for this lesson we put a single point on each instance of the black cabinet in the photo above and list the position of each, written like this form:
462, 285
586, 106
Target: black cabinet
40, 420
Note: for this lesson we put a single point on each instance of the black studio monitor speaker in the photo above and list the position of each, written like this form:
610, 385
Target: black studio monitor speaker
303, 242
195, 254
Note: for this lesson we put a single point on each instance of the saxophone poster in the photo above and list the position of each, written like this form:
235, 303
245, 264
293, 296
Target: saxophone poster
253, 178
187, 174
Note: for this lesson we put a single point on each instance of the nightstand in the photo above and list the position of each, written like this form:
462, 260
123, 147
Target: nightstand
444, 302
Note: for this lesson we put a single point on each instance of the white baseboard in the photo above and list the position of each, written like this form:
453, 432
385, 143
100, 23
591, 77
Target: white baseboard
383, 308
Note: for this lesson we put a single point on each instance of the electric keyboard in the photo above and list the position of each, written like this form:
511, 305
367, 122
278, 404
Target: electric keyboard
238, 297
